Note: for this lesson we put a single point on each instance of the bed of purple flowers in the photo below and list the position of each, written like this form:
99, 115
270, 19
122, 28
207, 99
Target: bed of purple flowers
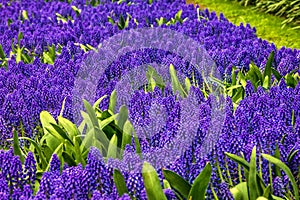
44, 153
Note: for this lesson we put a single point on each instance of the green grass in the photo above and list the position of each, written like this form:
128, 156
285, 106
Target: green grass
268, 26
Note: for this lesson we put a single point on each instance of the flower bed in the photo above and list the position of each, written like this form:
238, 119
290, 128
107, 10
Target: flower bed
45, 45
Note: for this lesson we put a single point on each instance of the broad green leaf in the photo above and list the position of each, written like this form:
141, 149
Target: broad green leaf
112, 101
63, 107
176, 86
51, 141
276, 74
234, 87
2, 54
233, 76
96, 104
240, 191
91, 112
78, 154
17, 148
254, 75
95, 137
113, 147
290, 80
200, 184
267, 191
120, 183
158, 79
104, 123
286, 169
178, 15
261, 198
242, 79
268, 68
239, 95
19, 55
70, 128
267, 82
122, 117
277, 155
292, 154
68, 159
188, 84
37, 148
152, 183
20, 37
166, 184
177, 183
46, 118
137, 144
61, 132
77, 10
252, 181
47, 58
127, 134
246, 166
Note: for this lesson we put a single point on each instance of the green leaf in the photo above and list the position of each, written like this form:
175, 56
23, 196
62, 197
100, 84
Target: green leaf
177, 183
292, 154
113, 147
286, 169
290, 80
261, 198
276, 74
267, 82
267, 191
37, 148
152, 183
78, 154
254, 75
68, 159
268, 69
19, 55
158, 79
200, 184
20, 37
137, 144
188, 84
70, 128
127, 134
77, 10
2, 54
46, 118
242, 79
120, 183
91, 113
96, 104
277, 155
176, 86
17, 148
95, 137
252, 181
123, 116
112, 101
104, 123
240, 191
61, 133
246, 166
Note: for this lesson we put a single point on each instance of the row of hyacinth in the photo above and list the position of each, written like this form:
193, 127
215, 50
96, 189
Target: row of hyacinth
44, 86
261, 119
